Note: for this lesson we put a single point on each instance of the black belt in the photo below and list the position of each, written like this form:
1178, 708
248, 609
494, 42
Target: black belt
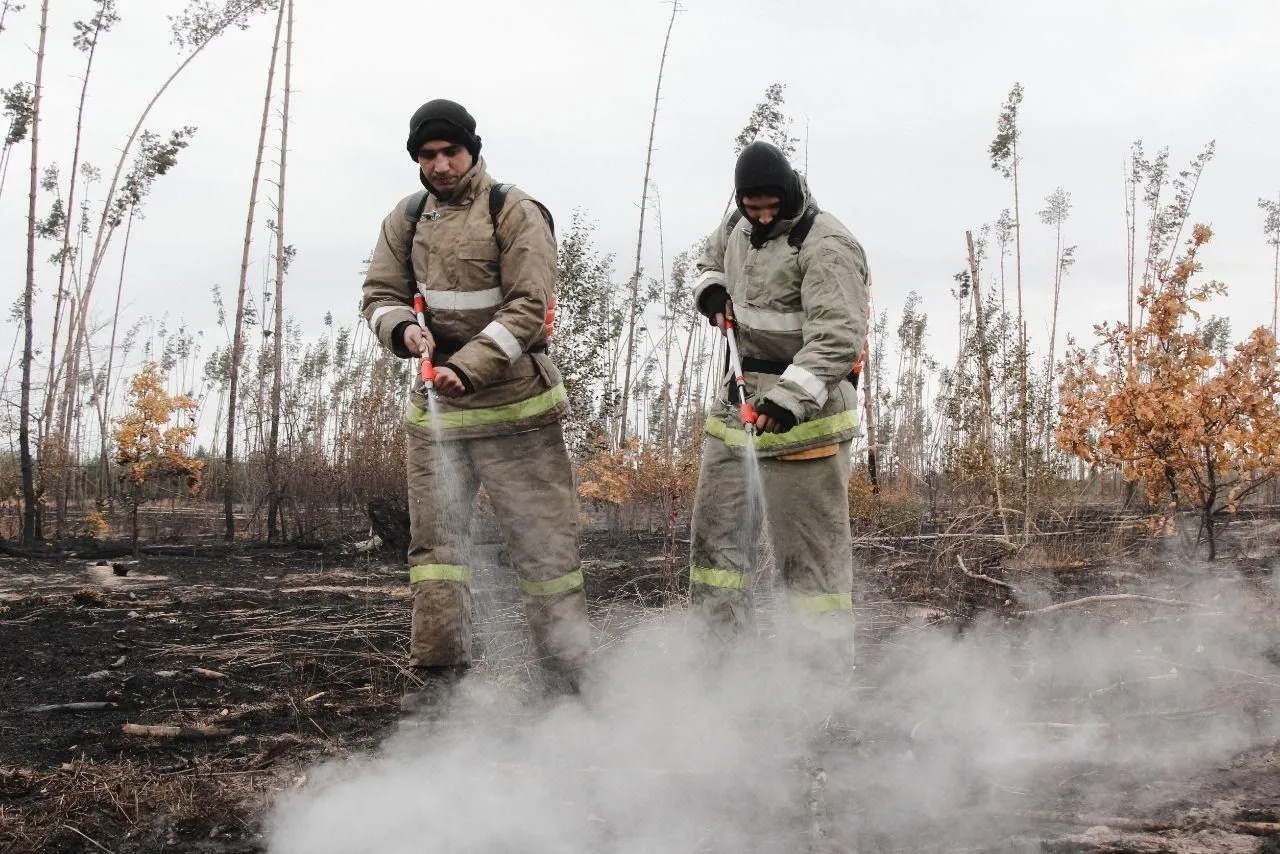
447, 347
763, 366
750, 364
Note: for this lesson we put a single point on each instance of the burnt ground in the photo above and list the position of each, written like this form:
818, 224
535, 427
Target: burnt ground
269, 660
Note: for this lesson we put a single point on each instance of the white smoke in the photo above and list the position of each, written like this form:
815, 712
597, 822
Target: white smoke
940, 737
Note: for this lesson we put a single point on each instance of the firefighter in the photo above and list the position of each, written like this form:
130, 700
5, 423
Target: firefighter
483, 258
794, 283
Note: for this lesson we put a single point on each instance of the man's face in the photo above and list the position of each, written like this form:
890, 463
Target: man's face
761, 209
444, 163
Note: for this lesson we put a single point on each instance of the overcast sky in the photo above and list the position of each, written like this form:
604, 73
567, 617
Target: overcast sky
900, 101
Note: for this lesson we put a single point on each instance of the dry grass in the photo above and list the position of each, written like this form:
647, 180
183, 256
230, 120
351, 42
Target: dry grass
96, 800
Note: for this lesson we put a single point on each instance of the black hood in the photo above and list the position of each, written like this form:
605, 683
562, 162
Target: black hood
762, 169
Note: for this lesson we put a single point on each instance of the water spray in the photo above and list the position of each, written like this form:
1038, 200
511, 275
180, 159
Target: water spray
426, 370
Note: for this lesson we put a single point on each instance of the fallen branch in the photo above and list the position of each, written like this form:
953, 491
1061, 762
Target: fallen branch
208, 674
980, 577
74, 707
92, 842
1107, 598
1060, 727
1258, 828
1116, 822
182, 733
1126, 683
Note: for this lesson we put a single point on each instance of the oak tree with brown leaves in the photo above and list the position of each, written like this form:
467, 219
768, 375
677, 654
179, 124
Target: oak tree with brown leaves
152, 438
1201, 431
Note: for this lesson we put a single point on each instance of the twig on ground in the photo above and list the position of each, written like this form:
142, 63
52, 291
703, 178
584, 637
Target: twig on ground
74, 707
183, 733
1061, 727
980, 577
1116, 822
1107, 598
208, 674
92, 842
1258, 828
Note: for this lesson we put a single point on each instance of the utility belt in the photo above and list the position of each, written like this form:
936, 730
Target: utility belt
752, 365
447, 348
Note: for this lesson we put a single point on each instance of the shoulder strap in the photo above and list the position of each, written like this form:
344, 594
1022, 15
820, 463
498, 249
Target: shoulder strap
734, 219
800, 230
498, 200
413, 208
415, 205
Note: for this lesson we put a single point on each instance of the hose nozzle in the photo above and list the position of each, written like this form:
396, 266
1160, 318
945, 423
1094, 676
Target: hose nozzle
426, 370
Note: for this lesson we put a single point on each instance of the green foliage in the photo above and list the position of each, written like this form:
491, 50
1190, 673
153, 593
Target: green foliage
202, 20
1004, 148
87, 32
768, 121
19, 109
585, 327
156, 156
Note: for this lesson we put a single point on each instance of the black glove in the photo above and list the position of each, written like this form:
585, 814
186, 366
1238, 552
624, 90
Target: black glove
778, 413
713, 301
462, 377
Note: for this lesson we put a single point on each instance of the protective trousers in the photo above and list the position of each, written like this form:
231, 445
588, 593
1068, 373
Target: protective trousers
806, 505
530, 482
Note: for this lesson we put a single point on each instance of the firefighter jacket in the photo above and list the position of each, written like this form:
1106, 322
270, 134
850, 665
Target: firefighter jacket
487, 291
801, 316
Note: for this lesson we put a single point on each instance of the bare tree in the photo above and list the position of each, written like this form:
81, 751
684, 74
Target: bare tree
644, 204
984, 369
86, 41
30, 514
192, 31
1057, 210
237, 333
105, 406
284, 254
6, 8
1005, 160
1271, 229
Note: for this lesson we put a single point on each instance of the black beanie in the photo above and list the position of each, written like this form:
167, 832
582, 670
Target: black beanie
446, 120
763, 169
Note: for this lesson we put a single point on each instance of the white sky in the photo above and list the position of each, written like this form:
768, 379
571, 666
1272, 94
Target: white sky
901, 102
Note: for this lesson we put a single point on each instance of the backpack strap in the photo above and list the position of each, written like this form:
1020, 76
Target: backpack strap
417, 203
413, 208
734, 219
800, 230
498, 200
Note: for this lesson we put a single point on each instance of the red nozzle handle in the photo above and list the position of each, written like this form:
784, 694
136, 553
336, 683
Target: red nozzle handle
419, 303
748, 413
427, 371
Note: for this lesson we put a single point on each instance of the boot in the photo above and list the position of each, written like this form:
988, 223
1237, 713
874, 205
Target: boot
437, 687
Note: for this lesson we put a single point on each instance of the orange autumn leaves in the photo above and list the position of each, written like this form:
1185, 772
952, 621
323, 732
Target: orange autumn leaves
1198, 429
148, 446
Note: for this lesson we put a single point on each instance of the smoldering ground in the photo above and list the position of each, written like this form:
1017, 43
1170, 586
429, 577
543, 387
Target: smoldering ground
942, 740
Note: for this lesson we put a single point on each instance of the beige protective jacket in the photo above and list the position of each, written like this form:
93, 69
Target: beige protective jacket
808, 308
486, 294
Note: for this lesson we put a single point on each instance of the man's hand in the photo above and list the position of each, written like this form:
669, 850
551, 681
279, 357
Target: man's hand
772, 418
447, 383
721, 317
418, 341
765, 424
